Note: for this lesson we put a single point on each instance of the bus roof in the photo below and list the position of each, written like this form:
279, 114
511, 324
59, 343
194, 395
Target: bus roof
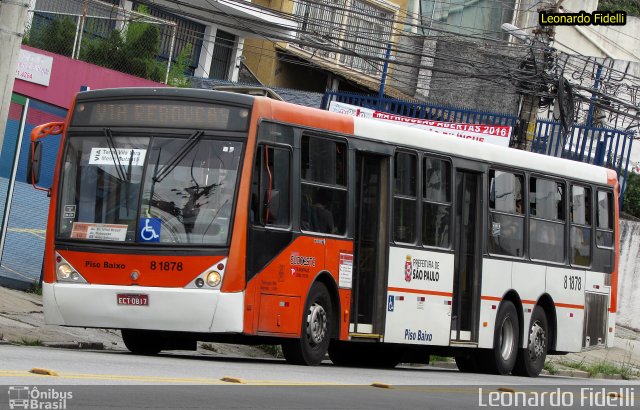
494, 154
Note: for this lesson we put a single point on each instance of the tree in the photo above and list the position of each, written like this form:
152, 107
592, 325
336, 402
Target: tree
57, 36
134, 52
631, 204
177, 78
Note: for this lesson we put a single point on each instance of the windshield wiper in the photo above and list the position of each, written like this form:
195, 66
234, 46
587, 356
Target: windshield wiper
173, 162
116, 158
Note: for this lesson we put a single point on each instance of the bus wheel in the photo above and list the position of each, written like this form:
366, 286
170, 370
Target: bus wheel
502, 358
317, 323
467, 363
144, 342
531, 360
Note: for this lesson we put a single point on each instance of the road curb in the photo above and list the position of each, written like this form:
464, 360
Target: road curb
75, 345
572, 373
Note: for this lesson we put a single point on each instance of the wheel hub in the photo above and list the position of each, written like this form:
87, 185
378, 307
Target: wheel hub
316, 323
537, 341
506, 339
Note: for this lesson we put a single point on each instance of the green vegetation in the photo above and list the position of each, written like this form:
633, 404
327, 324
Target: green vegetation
273, 350
632, 7
134, 50
631, 204
36, 288
210, 347
56, 37
135, 53
434, 358
550, 367
30, 342
625, 370
176, 72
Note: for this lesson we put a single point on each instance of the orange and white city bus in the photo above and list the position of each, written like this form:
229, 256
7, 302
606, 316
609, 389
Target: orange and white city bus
181, 215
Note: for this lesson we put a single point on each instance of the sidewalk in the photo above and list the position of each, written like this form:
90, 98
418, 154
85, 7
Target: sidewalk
22, 322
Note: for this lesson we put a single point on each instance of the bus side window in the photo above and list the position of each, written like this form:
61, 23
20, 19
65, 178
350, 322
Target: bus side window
604, 219
506, 214
404, 197
547, 226
271, 187
323, 188
580, 218
436, 202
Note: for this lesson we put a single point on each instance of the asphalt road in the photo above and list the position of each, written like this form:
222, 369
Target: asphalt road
113, 379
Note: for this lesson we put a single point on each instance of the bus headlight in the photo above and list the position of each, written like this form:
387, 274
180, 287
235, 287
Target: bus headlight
213, 278
65, 271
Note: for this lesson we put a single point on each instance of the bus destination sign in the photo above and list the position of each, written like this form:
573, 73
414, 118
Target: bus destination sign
151, 113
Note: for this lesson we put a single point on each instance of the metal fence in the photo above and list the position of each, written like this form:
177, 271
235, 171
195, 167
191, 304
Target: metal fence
105, 34
605, 147
419, 109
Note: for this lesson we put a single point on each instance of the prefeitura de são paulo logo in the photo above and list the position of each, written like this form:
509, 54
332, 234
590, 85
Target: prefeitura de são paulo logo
407, 269
25, 397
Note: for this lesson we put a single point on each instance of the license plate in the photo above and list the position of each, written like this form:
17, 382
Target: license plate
133, 300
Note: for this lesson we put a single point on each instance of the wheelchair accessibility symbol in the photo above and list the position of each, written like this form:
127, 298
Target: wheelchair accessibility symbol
149, 230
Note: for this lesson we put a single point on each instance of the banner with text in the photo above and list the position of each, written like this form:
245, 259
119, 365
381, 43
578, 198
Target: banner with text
491, 134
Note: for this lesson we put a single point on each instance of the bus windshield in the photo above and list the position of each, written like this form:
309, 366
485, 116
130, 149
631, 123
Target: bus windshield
163, 189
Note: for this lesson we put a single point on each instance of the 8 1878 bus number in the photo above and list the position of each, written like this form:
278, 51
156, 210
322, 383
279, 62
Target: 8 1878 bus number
572, 282
165, 265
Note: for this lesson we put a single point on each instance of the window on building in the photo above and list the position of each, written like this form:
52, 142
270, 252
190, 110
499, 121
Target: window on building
506, 213
580, 218
547, 219
436, 202
361, 28
405, 197
323, 186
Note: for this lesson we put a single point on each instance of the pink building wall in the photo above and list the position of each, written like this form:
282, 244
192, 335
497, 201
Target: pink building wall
68, 75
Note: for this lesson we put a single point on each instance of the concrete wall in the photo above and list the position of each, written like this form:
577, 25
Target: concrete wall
629, 279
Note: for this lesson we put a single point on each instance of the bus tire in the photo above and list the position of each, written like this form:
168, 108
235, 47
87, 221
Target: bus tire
531, 359
502, 358
317, 324
143, 342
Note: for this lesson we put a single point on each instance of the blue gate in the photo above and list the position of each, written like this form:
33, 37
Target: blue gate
605, 147
422, 110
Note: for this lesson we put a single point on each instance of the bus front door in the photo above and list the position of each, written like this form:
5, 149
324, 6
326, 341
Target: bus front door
468, 254
371, 232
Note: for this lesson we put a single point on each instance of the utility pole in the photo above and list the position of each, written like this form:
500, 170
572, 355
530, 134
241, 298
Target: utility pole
13, 16
529, 103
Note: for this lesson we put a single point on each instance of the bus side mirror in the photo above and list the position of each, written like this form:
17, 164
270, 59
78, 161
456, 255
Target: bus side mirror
34, 159
33, 162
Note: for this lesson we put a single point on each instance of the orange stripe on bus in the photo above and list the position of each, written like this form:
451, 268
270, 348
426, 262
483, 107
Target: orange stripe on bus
494, 298
528, 302
569, 306
421, 292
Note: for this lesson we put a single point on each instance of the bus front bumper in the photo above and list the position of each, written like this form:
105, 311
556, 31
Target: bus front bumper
170, 309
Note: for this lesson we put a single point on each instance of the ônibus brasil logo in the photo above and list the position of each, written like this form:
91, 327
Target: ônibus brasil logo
407, 269
25, 397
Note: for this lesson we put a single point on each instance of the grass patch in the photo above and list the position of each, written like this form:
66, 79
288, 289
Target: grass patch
550, 367
210, 347
273, 350
626, 370
29, 342
35, 288
435, 358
